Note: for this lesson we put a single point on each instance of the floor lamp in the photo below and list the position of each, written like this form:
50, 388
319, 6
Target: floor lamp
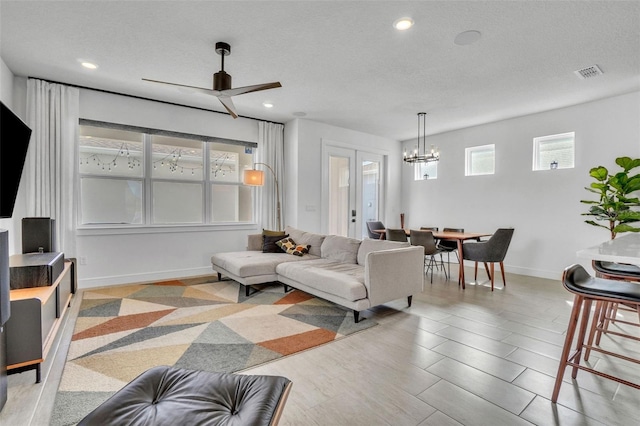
253, 177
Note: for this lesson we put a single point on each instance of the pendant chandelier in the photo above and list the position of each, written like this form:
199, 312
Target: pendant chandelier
420, 154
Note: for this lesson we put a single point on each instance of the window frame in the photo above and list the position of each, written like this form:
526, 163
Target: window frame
537, 141
468, 153
417, 171
148, 181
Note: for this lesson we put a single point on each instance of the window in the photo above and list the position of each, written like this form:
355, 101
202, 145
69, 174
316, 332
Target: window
554, 152
480, 160
424, 171
138, 177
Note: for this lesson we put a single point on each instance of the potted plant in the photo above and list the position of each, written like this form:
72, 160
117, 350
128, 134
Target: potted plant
615, 206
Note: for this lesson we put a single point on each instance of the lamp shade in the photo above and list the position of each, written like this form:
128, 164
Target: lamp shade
253, 177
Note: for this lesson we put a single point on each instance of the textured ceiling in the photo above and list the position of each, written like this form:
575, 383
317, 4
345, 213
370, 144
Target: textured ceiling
341, 63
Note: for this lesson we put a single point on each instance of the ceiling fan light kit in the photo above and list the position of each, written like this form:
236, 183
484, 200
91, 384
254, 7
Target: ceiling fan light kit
222, 83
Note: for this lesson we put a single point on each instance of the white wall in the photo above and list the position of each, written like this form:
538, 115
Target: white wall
544, 206
305, 170
130, 255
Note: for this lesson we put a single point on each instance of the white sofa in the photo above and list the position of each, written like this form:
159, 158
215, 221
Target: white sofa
349, 272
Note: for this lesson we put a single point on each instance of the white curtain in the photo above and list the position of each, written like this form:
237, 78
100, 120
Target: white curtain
51, 166
271, 152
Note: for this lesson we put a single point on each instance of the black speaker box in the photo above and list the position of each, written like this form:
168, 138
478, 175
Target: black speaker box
37, 233
35, 269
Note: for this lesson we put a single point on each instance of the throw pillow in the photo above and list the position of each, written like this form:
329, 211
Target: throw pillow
290, 247
269, 243
270, 233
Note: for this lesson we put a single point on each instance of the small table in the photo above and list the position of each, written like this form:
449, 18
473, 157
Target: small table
459, 237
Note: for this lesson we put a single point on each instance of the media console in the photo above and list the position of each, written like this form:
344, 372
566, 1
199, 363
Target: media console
36, 314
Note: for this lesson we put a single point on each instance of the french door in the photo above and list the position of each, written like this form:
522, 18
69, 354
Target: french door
352, 190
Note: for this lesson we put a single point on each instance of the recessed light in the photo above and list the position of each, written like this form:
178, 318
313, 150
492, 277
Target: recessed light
467, 37
89, 65
403, 24
267, 104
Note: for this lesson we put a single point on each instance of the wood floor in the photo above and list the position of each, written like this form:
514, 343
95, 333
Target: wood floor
469, 357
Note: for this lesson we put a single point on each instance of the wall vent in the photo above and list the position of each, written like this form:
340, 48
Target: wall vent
589, 72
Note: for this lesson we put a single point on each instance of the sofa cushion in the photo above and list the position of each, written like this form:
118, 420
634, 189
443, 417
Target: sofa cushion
306, 238
269, 243
345, 280
270, 233
339, 248
252, 263
368, 245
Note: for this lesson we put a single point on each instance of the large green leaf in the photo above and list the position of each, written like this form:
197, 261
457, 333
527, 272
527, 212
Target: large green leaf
599, 173
624, 227
633, 184
629, 216
627, 163
602, 187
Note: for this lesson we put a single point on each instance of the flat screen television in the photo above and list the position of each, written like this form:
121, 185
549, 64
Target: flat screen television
14, 141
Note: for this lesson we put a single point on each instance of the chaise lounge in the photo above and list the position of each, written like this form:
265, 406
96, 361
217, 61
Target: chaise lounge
352, 273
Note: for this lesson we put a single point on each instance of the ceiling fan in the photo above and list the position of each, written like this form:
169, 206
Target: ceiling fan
222, 83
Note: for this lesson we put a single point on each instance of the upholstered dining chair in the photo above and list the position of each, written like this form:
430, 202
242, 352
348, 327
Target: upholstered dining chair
425, 239
374, 224
396, 235
448, 246
491, 251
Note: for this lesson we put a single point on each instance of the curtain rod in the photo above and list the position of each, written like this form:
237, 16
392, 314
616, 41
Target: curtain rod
149, 99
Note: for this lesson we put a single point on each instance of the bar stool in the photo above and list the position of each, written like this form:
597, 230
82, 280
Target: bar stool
608, 312
588, 289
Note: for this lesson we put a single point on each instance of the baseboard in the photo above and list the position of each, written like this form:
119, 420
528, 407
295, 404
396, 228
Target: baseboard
143, 277
538, 273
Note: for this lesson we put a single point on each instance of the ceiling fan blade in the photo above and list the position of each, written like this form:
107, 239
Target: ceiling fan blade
228, 104
249, 89
199, 89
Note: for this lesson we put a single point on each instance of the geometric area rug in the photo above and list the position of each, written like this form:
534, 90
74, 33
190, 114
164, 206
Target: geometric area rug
197, 324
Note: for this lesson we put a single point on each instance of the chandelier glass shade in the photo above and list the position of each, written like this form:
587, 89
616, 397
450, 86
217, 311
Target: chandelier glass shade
420, 154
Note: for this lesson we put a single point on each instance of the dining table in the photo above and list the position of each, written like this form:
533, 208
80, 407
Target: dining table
459, 237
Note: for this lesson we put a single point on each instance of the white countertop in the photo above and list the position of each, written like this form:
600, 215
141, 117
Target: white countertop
624, 249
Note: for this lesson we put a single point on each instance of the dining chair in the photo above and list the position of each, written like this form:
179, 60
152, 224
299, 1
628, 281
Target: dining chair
396, 235
374, 224
425, 239
491, 251
448, 246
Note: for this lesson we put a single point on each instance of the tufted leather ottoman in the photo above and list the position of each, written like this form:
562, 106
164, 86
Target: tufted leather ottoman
173, 396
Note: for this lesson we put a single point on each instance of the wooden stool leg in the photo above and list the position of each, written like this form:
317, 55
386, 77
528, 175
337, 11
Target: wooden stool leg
571, 329
504, 281
586, 312
598, 316
475, 275
610, 311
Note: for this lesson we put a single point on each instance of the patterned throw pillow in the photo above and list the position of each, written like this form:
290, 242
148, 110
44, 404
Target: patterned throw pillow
290, 247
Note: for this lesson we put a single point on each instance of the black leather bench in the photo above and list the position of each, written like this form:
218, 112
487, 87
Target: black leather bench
173, 396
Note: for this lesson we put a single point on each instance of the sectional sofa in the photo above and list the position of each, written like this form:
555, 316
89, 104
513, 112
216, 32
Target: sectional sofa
352, 273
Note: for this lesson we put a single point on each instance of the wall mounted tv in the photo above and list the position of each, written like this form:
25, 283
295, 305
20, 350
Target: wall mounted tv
14, 141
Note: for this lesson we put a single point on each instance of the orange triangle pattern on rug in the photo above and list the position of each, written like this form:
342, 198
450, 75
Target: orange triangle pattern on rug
198, 324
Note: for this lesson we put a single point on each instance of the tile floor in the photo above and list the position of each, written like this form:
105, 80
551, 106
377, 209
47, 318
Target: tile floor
455, 357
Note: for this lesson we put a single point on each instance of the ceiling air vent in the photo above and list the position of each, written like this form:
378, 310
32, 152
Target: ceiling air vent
589, 72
